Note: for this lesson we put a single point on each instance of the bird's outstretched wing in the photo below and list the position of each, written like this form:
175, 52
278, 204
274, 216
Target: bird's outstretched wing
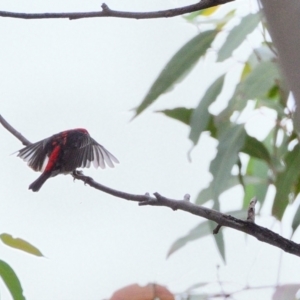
35, 155
86, 153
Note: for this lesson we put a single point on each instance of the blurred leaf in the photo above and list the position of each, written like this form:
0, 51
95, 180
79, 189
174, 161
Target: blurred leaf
297, 187
219, 239
256, 181
285, 181
200, 116
274, 91
209, 11
207, 193
246, 71
181, 114
222, 22
230, 143
260, 80
296, 220
178, 66
20, 244
260, 54
218, 22
255, 148
255, 85
202, 230
192, 16
11, 280
282, 149
286, 292
211, 127
265, 102
199, 231
238, 35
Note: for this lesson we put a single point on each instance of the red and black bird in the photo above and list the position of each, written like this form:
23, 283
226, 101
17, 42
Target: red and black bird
63, 153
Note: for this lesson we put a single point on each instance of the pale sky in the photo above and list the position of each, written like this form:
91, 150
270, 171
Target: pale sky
61, 74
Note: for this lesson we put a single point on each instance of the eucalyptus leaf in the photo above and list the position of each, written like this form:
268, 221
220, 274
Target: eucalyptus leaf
260, 80
231, 142
219, 239
202, 230
11, 280
201, 116
255, 148
207, 193
181, 114
181, 63
255, 85
296, 220
20, 244
285, 182
256, 181
238, 35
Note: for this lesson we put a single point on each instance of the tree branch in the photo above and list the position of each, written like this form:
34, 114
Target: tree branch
107, 12
14, 132
262, 234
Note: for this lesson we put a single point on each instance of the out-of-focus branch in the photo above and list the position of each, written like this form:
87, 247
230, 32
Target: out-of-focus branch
284, 26
261, 233
107, 12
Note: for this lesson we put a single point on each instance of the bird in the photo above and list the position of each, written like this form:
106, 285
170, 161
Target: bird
63, 153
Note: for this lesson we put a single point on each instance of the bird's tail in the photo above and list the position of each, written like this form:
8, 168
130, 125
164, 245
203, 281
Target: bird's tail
36, 185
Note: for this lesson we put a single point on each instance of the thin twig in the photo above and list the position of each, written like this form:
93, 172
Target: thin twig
107, 12
251, 210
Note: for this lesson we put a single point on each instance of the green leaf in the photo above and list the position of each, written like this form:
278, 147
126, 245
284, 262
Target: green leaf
219, 239
223, 21
211, 127
209, 11
246, 71
285, 182
200, 116
202, 230
238, 35
231, 141
260, 80
207, 193
178, 66
256, 181
192, 16
11, 280
296, 220
181, 114
20, 244
255, 85
255, 148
